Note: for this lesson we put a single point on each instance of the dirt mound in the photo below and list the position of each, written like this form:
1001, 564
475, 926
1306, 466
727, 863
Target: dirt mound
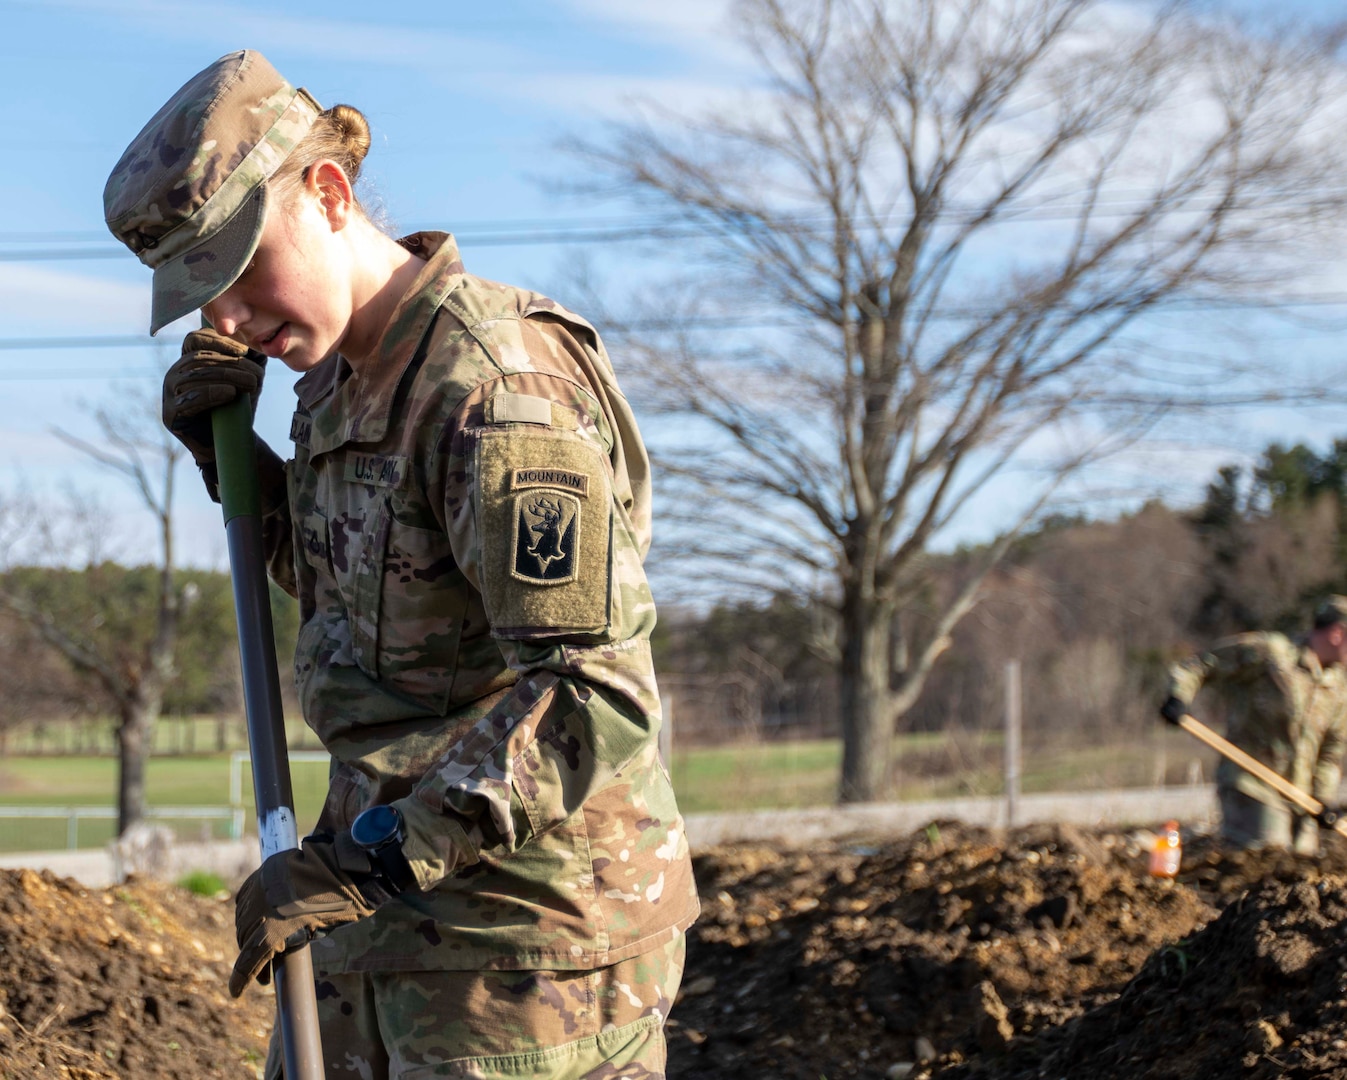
1258, 994
121, 982
958, 952
953, 953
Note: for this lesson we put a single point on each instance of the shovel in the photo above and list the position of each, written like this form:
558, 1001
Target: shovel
236, 460
1278, 783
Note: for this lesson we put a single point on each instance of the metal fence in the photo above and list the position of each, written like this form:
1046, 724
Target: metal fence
234, 815
73, 815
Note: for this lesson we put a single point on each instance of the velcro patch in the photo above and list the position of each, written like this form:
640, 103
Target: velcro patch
301, 427
508, 408
546, 537
553, 478
375, 469
544, 519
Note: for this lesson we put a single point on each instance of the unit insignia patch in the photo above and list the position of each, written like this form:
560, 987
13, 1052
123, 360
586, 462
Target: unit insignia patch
546, 537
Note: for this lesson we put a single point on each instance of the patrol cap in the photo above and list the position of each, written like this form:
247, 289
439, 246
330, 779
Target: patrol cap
189, 194
1332, 609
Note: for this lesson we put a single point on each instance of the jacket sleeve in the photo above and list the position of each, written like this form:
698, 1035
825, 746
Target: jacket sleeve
1233, 661
537, 527
1327, 773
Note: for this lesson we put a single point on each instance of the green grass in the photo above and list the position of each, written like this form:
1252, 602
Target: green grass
783, 775
202, 882
201, 780
744, 777
757, 776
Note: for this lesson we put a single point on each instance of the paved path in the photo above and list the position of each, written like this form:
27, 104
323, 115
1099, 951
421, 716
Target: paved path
1194, 805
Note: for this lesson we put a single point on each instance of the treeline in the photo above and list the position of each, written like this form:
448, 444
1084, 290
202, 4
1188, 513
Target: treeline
1093, 611
109, 611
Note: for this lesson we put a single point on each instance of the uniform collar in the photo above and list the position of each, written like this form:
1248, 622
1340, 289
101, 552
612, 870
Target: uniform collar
352, 406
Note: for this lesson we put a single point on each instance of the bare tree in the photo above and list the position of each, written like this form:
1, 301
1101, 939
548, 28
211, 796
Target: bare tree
960, 221
127, 655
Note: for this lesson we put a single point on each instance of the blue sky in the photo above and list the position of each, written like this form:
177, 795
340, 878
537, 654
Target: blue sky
467, 104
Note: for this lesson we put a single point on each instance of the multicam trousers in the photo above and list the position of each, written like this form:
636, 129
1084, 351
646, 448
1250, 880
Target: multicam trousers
1248, 823
606, 1024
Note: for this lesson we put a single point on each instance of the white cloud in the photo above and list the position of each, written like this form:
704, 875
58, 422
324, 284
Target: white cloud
347, 40
615, 96
703, 24
465, 63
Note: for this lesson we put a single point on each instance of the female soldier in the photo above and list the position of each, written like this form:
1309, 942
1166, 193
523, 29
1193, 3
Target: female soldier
499, 880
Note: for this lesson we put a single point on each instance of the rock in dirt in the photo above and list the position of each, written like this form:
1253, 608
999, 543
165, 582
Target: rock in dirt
992, 1028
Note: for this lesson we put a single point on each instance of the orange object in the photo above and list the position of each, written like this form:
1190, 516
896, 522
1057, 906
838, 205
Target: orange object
1167, 851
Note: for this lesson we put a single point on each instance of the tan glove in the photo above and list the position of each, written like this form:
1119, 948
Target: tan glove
212, 371
326, 882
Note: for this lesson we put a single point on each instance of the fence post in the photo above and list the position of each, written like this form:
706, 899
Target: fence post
1012, 740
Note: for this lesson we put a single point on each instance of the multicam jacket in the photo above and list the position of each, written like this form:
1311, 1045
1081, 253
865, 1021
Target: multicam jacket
467, 523
1281, 706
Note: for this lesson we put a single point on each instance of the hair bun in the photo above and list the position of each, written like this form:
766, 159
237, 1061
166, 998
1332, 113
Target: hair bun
353, 128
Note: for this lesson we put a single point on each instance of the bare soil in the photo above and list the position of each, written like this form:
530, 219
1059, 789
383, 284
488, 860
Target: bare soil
956, 952
952, 953
122, 982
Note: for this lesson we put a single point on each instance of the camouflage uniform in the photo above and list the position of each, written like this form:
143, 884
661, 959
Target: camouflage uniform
465, 533
1283, 707
465, 528
499, 1025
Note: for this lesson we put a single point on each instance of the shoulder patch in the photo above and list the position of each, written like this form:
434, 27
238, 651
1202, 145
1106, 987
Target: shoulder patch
544, 523
546, 534
577, 482
507, 408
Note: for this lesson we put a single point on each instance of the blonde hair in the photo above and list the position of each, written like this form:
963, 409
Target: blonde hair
341, 134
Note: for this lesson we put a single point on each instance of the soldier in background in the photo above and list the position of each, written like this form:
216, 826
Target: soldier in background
1285, 703
499, 880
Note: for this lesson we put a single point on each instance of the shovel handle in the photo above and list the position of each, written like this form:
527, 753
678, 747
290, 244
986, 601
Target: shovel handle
1256, 768
241, 500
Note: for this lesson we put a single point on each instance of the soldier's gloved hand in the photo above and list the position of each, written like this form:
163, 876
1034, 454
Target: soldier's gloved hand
213, 370
1328, 817
326, 882
1173, 710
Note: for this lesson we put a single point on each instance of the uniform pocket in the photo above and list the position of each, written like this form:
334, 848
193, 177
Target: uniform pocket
366, 588
423, 601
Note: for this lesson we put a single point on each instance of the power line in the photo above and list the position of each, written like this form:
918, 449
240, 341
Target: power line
738, 322
59, 375
523, 232
103, 341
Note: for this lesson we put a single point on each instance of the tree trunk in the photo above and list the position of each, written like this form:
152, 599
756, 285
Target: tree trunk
867, 728
133, 742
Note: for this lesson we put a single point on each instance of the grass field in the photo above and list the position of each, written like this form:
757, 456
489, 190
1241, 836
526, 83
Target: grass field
176, 781
757, 776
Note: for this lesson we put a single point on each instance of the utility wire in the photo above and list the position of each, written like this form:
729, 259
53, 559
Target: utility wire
738, 322
627, 230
